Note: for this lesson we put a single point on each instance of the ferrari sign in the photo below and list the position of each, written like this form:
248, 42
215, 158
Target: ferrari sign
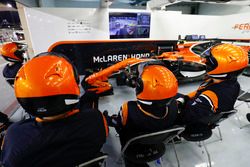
245, 26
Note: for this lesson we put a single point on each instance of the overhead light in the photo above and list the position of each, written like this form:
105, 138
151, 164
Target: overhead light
9, 5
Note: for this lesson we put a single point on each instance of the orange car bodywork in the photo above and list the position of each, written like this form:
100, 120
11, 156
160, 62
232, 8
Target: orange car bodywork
246, 48
183, 54
99, 79
105, 73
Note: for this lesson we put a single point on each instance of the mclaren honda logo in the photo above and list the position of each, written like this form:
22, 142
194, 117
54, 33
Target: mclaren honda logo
119, 57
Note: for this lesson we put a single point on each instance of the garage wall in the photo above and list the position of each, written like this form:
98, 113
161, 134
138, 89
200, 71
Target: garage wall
168, 25
235, 26
50, 25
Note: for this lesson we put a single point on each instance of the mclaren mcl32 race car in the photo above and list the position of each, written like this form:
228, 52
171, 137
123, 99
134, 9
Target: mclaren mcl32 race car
188, 64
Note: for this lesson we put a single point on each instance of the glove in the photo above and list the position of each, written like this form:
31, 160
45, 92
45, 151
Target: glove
3, 118
88, 94
84, 84
96, 89
182, 101
131, 82
111, 120
105, 114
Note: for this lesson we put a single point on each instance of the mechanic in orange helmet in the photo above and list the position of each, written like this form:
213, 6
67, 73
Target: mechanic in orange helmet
220, 91
155, 108
60, 134
14, 53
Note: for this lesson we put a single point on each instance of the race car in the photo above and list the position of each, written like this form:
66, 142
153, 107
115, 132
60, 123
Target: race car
187, 59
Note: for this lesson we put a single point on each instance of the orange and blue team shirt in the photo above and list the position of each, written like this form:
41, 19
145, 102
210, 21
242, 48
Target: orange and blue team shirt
211, 97
135, 118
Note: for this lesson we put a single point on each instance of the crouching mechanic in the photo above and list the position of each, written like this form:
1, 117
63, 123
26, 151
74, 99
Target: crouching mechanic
220, 91
155, 108
60, 135
15, 54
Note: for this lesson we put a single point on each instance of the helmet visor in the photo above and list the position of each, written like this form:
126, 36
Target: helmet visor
211, 63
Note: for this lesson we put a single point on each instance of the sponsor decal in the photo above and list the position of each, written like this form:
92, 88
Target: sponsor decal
100, 54
118, 57
41, 110
244, 27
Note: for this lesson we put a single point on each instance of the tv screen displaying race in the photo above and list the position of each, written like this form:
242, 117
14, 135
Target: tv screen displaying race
129, 25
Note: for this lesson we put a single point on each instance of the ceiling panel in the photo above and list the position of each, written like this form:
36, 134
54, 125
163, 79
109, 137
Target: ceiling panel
134, 4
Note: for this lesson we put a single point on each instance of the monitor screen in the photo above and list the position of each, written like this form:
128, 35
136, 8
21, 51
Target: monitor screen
129, 25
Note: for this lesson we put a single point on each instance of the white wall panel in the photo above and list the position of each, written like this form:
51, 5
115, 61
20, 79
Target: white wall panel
168, 25
50, 25
235, 26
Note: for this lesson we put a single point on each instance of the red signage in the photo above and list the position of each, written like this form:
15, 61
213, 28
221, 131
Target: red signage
245, 26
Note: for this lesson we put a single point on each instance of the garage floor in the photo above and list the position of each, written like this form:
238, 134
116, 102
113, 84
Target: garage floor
232, 151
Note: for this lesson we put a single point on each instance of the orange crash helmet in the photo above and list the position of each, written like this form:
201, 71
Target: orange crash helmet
155, 84
13, 52
226, 61
47, 85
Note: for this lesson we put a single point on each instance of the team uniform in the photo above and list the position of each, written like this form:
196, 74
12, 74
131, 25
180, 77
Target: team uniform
59, 134
136, 119
211, 98
219, 93
10, 71
154, 109
63, 143
14, 53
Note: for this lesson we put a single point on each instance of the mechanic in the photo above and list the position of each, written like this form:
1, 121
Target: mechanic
60, 134
14, 53
155, 108
219, 92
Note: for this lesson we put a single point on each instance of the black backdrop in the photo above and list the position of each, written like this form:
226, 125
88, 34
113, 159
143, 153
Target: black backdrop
99, 54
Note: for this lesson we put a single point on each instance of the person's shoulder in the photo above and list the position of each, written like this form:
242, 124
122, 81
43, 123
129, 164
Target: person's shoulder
20, 126
128, 104
6, 67
22, 123
231, 83
131, 102
90, 112
18, 64
90, 116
